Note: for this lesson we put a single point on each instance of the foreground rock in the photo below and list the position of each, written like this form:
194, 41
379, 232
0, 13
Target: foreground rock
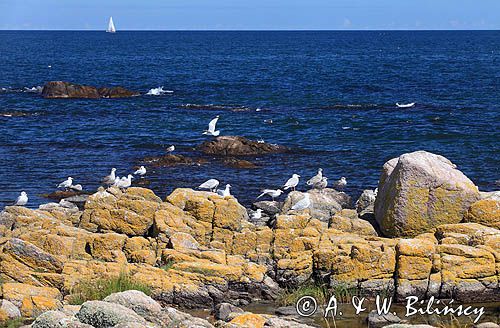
418, 192
61, 89
238, 146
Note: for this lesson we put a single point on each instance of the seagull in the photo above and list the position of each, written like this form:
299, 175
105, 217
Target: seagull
257, 214
302, 204
341, 183
77, 187
116, 182
125, 182
211, 127
170, 149
292, 182
141, 171
315, 179
66, 183
110, 179
321, 184
271, 192
22, 199
225, 192
211, 184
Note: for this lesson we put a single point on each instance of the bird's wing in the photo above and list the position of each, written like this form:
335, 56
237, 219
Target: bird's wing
211, 125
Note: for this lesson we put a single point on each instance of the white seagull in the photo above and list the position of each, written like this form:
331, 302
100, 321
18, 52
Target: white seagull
22, 199
271, 192
77, 187
315, 179
302, 204
341, 183
211, 127
125, 182
141, 171
292, 182
225, 192
211, 184
110, 179
170, 149
66, 183
257, 214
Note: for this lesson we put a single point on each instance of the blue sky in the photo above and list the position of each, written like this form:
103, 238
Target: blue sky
250, 15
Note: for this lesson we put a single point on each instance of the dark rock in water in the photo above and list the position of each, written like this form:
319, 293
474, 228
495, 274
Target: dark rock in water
239, 163
238, 146
223, 311
172, 160
378, 321
141, 182
117, 92
62, 194
62, 89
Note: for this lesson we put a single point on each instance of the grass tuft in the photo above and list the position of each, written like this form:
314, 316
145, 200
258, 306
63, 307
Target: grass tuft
321, 293
98, 289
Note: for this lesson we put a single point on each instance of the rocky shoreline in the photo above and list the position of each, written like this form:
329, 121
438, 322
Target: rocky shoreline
427, 231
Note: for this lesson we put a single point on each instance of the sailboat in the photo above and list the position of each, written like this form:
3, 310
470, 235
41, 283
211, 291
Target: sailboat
111, 26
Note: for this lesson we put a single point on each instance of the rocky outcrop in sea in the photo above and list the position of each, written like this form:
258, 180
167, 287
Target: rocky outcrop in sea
438, 236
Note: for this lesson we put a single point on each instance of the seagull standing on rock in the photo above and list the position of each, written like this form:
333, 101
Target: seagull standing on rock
292, 182
321, 184
225, 192
22, 199
257, 215
125, 182
170, 149
110, 179
341, 183
271, 192
211, 184
315, 179
141, 171
66, 184
302, 204
211, 127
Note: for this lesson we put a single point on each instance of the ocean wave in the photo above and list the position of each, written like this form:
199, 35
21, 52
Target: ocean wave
350, 106
232, 108
36, 89
17, 114
158, 91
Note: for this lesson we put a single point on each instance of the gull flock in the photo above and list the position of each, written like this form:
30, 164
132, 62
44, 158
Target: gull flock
318, 182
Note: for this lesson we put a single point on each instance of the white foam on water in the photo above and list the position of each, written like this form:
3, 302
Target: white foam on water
158, 91
37, 89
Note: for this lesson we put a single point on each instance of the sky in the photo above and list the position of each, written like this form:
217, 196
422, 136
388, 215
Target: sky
250, 15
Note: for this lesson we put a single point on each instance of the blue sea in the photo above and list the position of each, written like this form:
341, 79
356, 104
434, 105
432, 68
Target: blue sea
330, 95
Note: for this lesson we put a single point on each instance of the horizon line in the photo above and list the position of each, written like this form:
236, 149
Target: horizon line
247, 30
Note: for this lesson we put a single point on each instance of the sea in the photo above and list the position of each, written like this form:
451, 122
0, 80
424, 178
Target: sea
330, 96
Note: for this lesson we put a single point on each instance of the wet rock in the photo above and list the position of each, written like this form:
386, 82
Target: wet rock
419, 191
171, 160
226, 311
116, 92
238, 146
239, 163
61, 89
378, 321
102, 314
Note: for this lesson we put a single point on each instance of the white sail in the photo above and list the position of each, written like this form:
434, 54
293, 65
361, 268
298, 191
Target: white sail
111, 26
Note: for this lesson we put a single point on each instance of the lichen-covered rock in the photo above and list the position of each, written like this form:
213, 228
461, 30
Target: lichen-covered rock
419, 191
8, 310
57, 319
32, 300
486, 212
106, 315
137, 301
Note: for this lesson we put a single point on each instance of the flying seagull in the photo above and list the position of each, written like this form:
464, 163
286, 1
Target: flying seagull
315, 179
271, 192
22, 199
302, 204
211, 127
292, 182
211, 184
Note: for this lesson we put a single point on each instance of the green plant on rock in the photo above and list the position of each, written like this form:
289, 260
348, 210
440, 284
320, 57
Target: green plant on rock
321, 292
98, 289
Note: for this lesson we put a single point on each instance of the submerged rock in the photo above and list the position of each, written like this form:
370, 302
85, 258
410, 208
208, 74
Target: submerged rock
62, 89
239, 163
419, 191
238, 146
171, 160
